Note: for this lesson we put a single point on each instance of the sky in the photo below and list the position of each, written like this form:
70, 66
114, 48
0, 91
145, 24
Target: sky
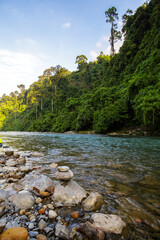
38, 34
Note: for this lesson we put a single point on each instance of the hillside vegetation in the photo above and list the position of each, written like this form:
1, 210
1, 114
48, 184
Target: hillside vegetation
117, 91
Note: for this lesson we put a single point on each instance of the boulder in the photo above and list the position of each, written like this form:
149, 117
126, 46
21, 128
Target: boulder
25, 169
68, 193
53, 165
52, 214
93, 202
64, 176
41, 182
41, 237
10, 169
91, 231
109, 223
63, 232
16, 155
22, 200
42, 224
3, 195
17, 233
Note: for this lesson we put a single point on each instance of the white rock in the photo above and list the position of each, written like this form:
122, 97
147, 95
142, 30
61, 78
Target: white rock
22, 200
3, 195
52, 214
42, 224
11, 163
41, 182
10, 169
63, 168
68, 194
109, 223
63, 232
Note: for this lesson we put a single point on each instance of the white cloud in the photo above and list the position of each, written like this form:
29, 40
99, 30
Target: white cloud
102, 42
17, 68
66, 25
93, 55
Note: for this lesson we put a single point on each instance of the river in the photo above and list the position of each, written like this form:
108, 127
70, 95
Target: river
125, 170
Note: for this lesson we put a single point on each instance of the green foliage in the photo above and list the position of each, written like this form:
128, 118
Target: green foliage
105, 95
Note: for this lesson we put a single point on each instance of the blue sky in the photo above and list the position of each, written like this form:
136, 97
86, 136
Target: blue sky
37, 34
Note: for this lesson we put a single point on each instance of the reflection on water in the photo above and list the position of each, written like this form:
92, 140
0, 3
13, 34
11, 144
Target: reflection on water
125, 170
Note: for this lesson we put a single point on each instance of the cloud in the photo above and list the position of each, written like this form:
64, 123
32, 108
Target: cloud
93, 55
28, 41
66, 25
17, 68
102, 42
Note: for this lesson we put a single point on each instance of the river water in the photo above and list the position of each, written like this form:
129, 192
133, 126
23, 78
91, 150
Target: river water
125, 170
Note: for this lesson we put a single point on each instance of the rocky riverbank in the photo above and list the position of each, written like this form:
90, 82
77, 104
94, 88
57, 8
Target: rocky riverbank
33, 206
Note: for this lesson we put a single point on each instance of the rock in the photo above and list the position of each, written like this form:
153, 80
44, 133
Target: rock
11, 163
25, 168
21, 161
53, 165
38, 200
41, 211
93, 202
22, 212
12, 224
45, 194
33, 234
109, 223
3, 195
68, 194
31, 226
17, 233
16, 155
63, 169
2, 224
50, 189
65, 176
63, 232
41, 237
91, 231
75, 215
50, 206
42, 224
36, 167
10, 169
22, 200
9, 153
52, 214
41, 182
37, 154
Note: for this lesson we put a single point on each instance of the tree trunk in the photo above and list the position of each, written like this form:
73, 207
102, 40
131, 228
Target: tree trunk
112, 41
41, 103
36, 111
52, 104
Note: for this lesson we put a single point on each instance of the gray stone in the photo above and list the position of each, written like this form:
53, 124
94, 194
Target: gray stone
2, 224
52, 214
3, 195
93, 202
33, 234
63, 168
68, 193
42, 224
22, 200
109, 223
31, 226
11, 225
65, 176
63, 232
11, 163
41, 182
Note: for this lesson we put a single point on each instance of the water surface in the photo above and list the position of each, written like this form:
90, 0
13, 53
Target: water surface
125, 170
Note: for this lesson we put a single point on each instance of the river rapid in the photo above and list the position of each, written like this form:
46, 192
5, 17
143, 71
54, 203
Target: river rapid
125, 170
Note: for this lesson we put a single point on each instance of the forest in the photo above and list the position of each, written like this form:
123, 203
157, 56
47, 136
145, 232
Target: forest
109, 94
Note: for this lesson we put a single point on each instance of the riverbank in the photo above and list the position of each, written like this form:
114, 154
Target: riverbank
33, 206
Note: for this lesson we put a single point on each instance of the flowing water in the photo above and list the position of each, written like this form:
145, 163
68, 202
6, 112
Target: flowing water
125, 170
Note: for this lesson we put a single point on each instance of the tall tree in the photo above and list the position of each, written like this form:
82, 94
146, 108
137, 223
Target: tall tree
81, 60
112, 16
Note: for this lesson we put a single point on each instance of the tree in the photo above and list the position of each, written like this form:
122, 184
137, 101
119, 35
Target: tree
81, 60
125, 18
112, 16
